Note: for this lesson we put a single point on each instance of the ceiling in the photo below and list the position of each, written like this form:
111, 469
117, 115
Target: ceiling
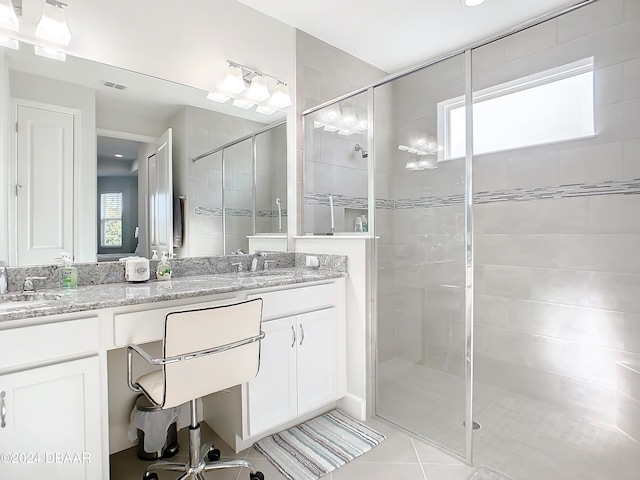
395, 34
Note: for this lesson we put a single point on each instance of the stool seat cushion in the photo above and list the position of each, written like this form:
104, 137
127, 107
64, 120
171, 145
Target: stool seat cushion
153, 385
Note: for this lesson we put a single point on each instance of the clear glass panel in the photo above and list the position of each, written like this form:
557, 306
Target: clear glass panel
208, 206
238, 196
336, 168
271, 181
420, 224
557, 330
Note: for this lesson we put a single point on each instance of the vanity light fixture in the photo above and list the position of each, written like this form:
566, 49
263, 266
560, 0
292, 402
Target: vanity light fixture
259, 90
218, 97
281, 97
235, 83
233, 80
49, 52
8, 17
53, 23
9, 42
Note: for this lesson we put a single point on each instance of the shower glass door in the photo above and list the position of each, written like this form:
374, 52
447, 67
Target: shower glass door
421, 254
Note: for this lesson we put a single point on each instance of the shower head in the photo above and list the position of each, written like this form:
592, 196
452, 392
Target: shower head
277, 201
365, 154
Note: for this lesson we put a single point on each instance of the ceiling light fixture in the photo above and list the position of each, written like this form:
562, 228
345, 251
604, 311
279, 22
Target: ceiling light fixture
236, 81
53, 23
471, 3
8, 17
117, 155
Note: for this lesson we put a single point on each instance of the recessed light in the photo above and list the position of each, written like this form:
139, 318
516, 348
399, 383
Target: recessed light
471, 3
118, 155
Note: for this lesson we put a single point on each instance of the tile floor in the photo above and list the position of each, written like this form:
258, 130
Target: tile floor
520, 437
399, 457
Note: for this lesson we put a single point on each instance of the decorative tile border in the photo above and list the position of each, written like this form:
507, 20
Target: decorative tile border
238, 212
609, 187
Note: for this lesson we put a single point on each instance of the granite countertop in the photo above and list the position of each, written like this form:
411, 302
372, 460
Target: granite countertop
111, 295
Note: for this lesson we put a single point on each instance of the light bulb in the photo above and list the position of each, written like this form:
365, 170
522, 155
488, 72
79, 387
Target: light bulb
259, 90
280, 97
233, 80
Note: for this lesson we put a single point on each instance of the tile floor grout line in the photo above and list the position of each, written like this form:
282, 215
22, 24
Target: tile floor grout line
415, 450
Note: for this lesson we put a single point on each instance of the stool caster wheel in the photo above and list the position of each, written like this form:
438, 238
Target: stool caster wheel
256, 476
150, 476
213, 454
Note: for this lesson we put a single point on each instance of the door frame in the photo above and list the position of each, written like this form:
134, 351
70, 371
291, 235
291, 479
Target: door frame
12, 177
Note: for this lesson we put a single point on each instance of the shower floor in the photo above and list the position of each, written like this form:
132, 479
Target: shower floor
521, 437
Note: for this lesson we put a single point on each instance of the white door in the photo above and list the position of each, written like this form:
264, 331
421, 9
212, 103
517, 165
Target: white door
272, 394
161, 195
52, 422
44, 186
317, 359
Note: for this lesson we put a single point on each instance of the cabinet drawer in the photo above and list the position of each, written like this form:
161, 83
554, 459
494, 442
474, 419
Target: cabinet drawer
40, 343
295, 300
148, 325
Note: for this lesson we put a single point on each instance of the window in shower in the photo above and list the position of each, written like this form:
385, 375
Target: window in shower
551, 106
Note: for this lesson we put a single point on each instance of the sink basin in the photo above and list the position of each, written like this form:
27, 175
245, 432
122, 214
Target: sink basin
23, 298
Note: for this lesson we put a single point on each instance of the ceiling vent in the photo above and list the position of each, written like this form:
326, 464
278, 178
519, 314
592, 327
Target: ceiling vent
117, 86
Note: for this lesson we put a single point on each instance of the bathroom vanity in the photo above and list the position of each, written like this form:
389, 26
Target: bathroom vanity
65, 404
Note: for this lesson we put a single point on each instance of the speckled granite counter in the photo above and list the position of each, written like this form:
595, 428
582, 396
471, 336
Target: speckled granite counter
111, 295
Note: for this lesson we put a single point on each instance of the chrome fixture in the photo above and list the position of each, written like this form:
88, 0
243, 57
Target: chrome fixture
266, 264
254, 260
4, 279
53, 23
27, 286
238, 266
236, 81
365, 154
278, 203
333, 223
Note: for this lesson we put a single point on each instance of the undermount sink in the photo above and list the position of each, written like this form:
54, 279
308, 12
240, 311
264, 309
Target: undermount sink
29, 297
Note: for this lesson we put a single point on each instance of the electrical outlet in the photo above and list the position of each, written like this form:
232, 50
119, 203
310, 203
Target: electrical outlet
312, 261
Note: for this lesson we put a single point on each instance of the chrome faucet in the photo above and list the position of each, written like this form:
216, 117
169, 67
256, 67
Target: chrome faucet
27, 286
266, 264
4, 279
238, 266
254, 261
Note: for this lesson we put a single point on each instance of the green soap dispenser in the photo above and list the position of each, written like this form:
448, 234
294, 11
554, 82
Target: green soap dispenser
68, 273
163, 272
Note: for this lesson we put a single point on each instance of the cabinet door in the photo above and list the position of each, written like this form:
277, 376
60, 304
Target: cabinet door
272, 394
317, 359
52, 422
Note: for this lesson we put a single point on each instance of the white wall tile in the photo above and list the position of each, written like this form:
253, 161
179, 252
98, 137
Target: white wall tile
614, 214
614, 291
592, 164
490, 310
615, 44
531, 40
632, 158
631, 9
632, 332
584, 21
507, 281
561, 286
532, 170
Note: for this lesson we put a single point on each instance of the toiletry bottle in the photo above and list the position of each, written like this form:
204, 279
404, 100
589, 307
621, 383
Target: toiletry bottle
365, 224
358, 226
163, 272
155, 255
68, 273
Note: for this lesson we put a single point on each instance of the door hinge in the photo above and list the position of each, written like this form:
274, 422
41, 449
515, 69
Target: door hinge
16, 127
18, 187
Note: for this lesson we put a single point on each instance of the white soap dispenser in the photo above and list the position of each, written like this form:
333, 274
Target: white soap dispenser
163, 272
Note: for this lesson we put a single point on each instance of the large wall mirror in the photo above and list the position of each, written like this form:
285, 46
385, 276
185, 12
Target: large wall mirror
99, 163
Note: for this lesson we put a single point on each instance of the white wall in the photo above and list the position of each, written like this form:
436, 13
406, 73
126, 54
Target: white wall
5, 149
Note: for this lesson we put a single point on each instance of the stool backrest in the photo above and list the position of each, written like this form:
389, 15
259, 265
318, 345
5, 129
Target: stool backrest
199, 330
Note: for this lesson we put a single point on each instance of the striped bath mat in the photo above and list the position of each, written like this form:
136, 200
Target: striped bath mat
319, 446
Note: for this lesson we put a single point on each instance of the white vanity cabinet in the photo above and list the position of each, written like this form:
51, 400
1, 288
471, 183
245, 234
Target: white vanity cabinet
302, 365
50, 404
298, 369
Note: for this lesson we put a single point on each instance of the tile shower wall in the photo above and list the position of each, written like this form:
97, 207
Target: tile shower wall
324, 72
208, 130
557, 226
